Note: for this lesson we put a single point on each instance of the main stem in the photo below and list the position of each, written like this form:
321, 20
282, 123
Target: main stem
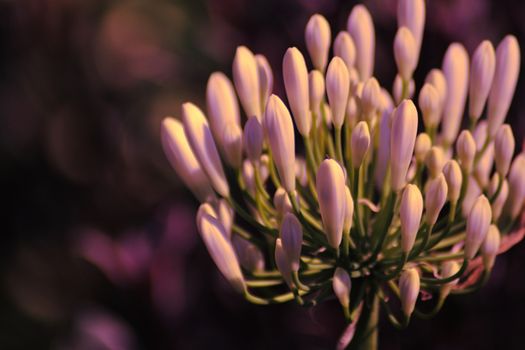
366, 336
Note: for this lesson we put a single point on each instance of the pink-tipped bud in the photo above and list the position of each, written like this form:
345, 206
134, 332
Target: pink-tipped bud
448, 269
478, 222
466, 150
265, 78
429, 102
422, 147
454, 179
410, 212
490, 247
246, 80
292, 239
434, 161
317, 88
317, 37
504, 149
344, 47
250, 257
342, 284
409, 284
371, 98
411, 14
232, 144
253, 138
337, 89
222, 104
435, 198
349, 210
361, 29
405, 53
481, 75
437, 79
499, 201
360, 143
295, 77
282, 262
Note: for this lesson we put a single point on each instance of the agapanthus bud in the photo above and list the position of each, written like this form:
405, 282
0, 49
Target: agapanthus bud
222, 104
337, 89
349, 210
435, 198
397, 89
402, 140
360, 143
435, 160
383, 152
429, 102
361, 29
409, 284
439, 82
466, 150
301, 171
454, 178
472, 193
422, 147
246, 80
484, 166
448, 269
232, 144
505, 79
281, 201
280, 132
330, 184
316, 93
370, 97
253, 138
410, 212
292, 239
405, 53
295, 77
201, 140
411, 14
490, 246
342, 285
207, 209
499, 201
516, 186
282, 262
481, 75
353, 111
250, 257
344, 47
221, 251
456, 70
182, 159
265, 78
317, 38
504, 147
478, 222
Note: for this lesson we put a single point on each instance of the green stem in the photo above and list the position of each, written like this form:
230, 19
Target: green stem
366, 336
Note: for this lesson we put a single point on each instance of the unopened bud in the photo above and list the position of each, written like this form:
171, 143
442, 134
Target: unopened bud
371, 97
499, 201
409, 284
282, 262
281, 202
361, 29
481, 75
472, 193
342, 285
484, 166
292, 239
448, 269
265, 78
435, 198
222, 104
466, 150
349, 210
405, 53
410, 212
411, 14
246, 80
516, 186
301, 171
504, 147
295, 78
490, 247
454, 179
253, 138
337, 89
250, 257
437, 79
360, 143
344, 47
478, 222
429, 103
317, 37
232, 144
317, 88
435, 160
422, 147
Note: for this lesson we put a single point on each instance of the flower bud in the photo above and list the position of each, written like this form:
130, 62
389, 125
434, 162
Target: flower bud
481, 75
402, 140
182, 158
370, 97
504, 147
411, 14
361, 29
472, 193
484, 166
516, 180
253, 138
337, 89
435, 198
281, 202
344, 47
448, 269
222, 104
383, 152
429, 103
437, 79
317, 37
279, 129
349, 210
422, 147
282, 262
265, 78
504, 84
410, 212
352, 112
301, 171
246, 80
499, 201
342, 284
397, 89
292, 239
330, 184
455, 68
250, 257
466, 150
221, 251
201, 140
360, 143
409, 285
226, 215
454, 179
490, 247
435, 160
405, 53
207, 209
316, 86
232, 144
478, 222
295, 78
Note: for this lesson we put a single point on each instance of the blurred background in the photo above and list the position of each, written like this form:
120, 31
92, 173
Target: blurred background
98, 246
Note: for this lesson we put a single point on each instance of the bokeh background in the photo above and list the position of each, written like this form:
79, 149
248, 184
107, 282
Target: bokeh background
98, 246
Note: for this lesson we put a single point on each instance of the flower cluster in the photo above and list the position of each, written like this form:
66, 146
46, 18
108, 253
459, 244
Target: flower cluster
374, 211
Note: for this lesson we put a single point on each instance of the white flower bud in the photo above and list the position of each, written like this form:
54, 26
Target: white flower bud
466, 150
516, 180
253, 138
429, 102
317, 37
232, 144
448, 269
504, 147
371, 97
295, 78
499, 202
316, 86
344, 47
360, 143
281, 202
437, 79
456, 70
422, 147
279, 129
405, 53
222, 104
292, 239
402, 140
411, 14
409, 284
472, 193
454, 178
349, 210
265, 78
481, 75
505, 79
361, 29
181, 157
221, 251
490, 247
342, 284
397, 89
435, 160
337, 89
250, 257
435, 198
246, 80
478, 222
282, 262
330, 184
410, 211
201, 140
